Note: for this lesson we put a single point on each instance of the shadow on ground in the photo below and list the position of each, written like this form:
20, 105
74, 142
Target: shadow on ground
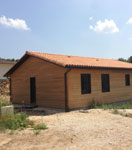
39, 111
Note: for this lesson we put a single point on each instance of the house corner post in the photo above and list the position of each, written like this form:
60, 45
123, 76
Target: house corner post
10, 89
66, 93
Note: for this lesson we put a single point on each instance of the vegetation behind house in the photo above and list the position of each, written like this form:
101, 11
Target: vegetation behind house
129, 60
9, 59
125, 105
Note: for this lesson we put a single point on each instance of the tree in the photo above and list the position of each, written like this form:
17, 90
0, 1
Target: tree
122, 59
8, 59
130, 59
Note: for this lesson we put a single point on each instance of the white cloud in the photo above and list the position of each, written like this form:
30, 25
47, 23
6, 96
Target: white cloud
90, 18
108, 26
14, 23
129, 21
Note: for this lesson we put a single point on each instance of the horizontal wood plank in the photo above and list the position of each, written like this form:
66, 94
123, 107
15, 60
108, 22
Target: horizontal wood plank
118, 90
50, 89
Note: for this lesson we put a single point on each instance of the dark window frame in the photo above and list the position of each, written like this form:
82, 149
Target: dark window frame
33, 90
105, 82
127, 79
85, 83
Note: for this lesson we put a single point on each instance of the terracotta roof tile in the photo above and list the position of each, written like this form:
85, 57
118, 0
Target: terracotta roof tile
77, 61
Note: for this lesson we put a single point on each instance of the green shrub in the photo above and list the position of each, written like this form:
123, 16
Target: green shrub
36, 132
11, 132
41, 126
115, 111
127, 105
4, 102
17, 121
93, 104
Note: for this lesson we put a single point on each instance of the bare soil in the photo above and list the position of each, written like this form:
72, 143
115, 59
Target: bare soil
75, 130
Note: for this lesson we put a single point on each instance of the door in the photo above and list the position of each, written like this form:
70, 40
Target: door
33, 90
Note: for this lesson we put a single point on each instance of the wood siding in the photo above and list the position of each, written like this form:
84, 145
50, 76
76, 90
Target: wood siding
118, 90
50, 85
50, 88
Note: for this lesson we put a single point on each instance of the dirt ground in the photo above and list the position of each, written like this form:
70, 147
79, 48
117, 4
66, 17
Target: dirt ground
75, 130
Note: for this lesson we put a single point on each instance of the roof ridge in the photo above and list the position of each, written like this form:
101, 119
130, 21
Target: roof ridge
29, 52
73, 61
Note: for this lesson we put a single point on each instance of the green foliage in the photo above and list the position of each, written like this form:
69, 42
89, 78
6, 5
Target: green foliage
115, 111
122, 59
36, 132
127, 105
113, 106
21, 128
93, 104
41, 126
129, 60
15, 122
4, 103
11, 132
8, 59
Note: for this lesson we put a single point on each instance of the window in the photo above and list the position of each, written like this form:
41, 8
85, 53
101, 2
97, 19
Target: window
105, 83
85, 83
127, 78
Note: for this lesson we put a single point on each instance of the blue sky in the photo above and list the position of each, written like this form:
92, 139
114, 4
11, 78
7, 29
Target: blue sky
93, 28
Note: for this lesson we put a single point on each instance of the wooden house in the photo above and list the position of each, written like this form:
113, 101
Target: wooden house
62, 81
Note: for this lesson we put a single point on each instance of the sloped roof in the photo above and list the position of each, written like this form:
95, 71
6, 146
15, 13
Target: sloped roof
74, 61
2, 61
77, 61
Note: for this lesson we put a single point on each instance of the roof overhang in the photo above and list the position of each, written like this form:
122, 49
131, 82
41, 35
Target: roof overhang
95, 67
27, 55
14, 67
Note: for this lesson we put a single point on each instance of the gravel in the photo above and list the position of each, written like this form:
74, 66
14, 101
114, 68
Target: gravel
93, 129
